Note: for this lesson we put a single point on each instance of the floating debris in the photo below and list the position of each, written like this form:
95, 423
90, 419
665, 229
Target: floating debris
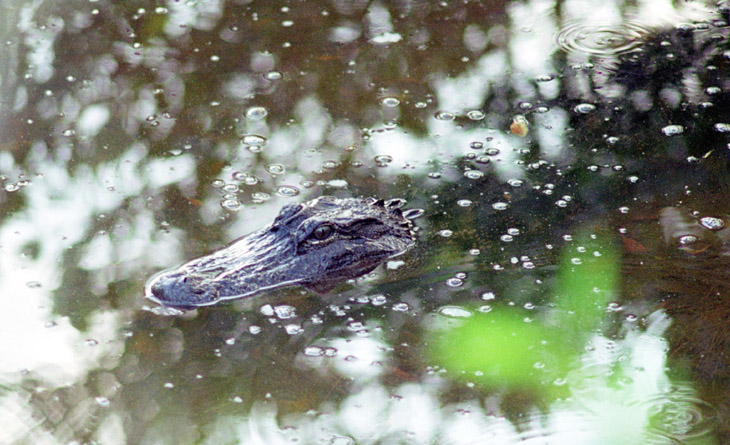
519, 126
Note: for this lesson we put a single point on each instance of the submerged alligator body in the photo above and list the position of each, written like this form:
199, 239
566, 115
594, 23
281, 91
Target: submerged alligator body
318, 245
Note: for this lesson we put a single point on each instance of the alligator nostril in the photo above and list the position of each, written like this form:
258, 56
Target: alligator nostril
158, 289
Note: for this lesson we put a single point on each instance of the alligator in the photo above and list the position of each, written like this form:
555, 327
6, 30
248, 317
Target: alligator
317, 244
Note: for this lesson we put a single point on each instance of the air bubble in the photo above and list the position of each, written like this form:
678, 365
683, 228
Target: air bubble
260, 197
722, 127
256, 113
285, 312
313, 351
383, 160
293, 329
584, 108
473, 174
389, 102
455, 312
401, 307
254, 140
273, 75
712, 223
673, 130
275, 169
287, 190
230, 188
231, 204
475, 115
378, 300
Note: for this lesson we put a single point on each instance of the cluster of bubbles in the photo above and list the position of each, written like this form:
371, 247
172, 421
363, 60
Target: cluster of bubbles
230, 191
475, 115
14, 187
254, 142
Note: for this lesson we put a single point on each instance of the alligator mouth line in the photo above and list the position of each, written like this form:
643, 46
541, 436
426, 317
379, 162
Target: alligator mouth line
318, 245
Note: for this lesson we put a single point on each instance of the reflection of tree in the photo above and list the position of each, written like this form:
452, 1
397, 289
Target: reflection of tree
168, 90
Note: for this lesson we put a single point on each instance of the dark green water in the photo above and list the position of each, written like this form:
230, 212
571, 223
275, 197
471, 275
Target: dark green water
569, 284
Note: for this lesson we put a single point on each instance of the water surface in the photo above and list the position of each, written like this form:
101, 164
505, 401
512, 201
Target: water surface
572, 264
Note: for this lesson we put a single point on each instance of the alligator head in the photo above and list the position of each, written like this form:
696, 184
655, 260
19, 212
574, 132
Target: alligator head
318, 244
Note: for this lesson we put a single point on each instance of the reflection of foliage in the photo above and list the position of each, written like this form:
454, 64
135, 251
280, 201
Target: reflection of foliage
505, 347
565, 358
182, 92
180, 70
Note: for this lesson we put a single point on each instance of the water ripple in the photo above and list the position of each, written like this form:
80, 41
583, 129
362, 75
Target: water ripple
680, 417
601, 39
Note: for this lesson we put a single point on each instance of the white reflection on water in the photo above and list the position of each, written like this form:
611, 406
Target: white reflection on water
34, 340
181, 16
621, 383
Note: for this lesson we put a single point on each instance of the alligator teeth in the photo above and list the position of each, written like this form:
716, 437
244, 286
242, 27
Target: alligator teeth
413, 213
395, 203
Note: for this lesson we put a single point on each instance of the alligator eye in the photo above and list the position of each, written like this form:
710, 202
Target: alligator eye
322, 232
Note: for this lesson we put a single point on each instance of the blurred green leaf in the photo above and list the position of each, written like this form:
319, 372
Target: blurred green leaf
506, 347
588, 278
502, 347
